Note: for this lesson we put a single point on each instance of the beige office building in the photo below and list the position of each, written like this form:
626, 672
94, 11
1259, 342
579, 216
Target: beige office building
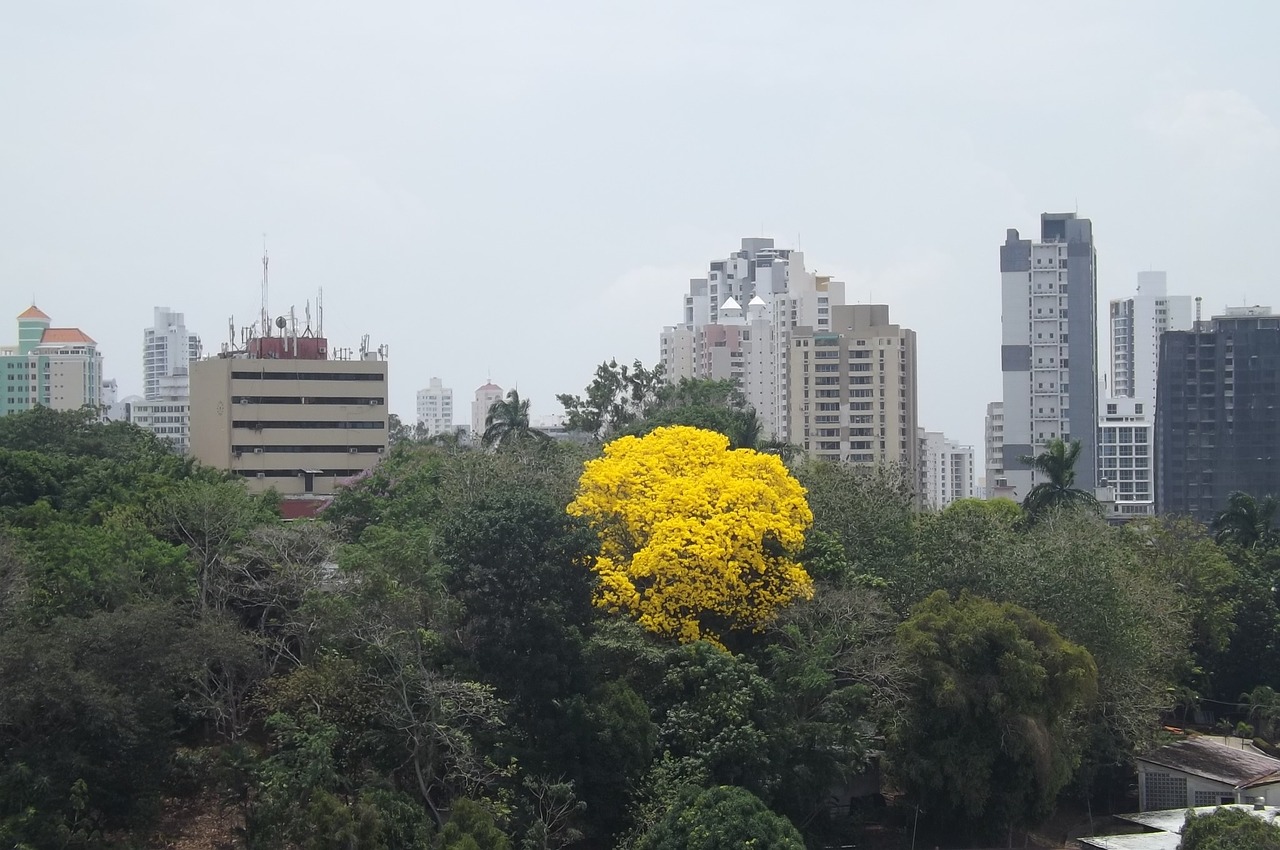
298, 426
852, 389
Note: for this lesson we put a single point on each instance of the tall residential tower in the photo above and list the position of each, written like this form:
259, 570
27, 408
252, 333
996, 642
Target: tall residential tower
1049, 346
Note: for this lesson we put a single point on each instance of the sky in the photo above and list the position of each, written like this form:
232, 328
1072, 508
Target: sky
519, 191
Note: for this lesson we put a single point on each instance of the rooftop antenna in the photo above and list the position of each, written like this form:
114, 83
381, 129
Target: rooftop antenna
1198, 299
320, 312
266, 317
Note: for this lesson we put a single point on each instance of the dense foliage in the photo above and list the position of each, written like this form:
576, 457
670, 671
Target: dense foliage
1229, 829
425, 666
695, 539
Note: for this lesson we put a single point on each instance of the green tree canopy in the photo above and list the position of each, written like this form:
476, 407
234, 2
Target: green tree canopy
1229, 829
989, 736
1058, 464
721, 818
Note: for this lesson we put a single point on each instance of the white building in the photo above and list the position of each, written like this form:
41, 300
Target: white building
946, 470
1201, 771
1049, 351
1136, 325
485, 397
1126, 445
994, 440
167, 350
722, 340
435, 408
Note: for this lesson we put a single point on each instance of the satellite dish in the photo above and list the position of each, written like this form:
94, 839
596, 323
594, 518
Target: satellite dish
281, 322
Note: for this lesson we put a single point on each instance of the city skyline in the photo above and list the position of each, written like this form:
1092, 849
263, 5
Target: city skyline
528, 220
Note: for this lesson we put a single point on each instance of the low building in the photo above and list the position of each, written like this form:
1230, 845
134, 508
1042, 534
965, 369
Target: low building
1199, 771
58, 368
287, 418
1162, 830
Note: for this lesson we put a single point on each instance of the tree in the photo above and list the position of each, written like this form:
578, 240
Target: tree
712, 405
1229, 829
695, 540
1057, 463
616, 398
508, 422
989, 735
869, 510
722, 818
1247, 522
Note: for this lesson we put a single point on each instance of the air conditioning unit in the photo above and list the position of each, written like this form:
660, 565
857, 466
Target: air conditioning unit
244, 400
262, 475
258, 450
373, 401
382, 450
352, 450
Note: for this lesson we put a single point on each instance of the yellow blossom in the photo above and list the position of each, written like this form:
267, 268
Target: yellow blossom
695, 538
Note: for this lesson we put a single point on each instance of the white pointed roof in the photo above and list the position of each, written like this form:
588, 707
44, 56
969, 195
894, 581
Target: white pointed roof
756, 301
730, 304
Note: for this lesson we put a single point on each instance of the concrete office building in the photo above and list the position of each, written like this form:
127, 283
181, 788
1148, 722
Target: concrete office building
435, 408
1136, 325
946, 470
486, 395
1126, 452
58, 368
284, 416
1049, 346
852, 389
167, 351
1218, 412
721, 339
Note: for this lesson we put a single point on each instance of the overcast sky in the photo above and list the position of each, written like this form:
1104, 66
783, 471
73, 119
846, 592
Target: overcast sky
522, 190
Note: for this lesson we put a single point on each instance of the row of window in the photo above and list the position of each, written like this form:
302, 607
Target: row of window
260, 425
309, 376
297, 473
293, 399
244, 449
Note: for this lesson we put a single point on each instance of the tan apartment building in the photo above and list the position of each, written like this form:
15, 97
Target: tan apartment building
298, 426
852, 389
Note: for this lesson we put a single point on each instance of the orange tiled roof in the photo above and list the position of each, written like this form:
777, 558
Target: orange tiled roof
33, 312
64, 335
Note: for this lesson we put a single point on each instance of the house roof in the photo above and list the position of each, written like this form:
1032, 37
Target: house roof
1212, 760
65, 335
33, 312
731, 303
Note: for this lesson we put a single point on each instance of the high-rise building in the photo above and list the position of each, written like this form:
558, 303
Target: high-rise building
285, 417
852, 389
946, 470
1049, 346
1126, 449
1136, 325
1218, 412
486, 395
721, 339
994, 434
58, 368
167, 352
435, 408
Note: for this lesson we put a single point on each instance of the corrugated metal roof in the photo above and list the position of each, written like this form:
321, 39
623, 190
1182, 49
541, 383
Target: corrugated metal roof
1212, 760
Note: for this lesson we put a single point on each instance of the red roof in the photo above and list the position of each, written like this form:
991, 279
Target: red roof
33, 312
303, 508
65, 335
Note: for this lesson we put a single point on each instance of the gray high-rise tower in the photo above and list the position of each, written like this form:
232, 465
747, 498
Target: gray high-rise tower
1049, 346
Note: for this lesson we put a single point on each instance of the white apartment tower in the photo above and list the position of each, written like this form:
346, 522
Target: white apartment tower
485, 397
1048, 351
167, 352
435, 408
721, 339
994, 433
1136, 325
946, 470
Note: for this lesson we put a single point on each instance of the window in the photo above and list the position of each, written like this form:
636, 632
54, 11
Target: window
1111, 410
1137, 408
1165, 791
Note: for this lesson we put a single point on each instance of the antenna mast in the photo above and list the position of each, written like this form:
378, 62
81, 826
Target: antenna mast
320, 312
266, 316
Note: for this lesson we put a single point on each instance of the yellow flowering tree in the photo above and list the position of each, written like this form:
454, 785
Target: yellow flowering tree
695, 539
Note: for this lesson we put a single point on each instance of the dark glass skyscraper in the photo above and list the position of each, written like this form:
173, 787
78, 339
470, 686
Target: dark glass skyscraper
1218, 413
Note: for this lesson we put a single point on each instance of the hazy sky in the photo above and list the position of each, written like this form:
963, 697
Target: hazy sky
522, 189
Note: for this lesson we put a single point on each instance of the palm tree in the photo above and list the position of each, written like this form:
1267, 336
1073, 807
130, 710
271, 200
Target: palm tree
508, 422
1057, 463
1263, 704
1246, 521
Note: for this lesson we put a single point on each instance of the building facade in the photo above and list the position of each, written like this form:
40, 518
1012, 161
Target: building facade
287, 418
1048, 352
435, 408
946, 470
168, 349
721, 339
1126, 454
1136, 325
486, 395
852, 389
1218, 412
58, 368
993, 433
